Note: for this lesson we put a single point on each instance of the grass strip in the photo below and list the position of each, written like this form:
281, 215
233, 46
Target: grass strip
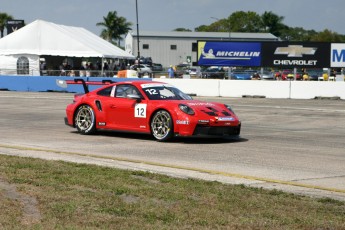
74, 196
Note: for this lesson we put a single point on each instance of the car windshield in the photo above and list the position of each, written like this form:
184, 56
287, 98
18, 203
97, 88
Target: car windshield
164, 92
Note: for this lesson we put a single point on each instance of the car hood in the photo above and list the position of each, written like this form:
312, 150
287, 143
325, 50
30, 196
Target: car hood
209, 108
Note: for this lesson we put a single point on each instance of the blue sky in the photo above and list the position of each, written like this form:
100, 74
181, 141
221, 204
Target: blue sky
166, 15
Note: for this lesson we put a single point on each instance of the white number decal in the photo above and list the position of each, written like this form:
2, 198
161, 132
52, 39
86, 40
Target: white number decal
140, 110
151, 91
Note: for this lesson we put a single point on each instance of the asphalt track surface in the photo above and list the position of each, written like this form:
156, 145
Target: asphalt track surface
292, 145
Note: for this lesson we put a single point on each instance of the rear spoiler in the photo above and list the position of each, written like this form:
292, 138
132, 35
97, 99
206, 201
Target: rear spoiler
79, 81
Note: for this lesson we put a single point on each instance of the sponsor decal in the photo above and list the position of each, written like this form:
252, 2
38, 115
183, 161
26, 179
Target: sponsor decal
151, 85
203, 121
200, 104
101, 123
182, 122
226, 118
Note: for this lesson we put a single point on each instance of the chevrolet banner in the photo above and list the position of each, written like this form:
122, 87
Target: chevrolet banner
296, 54
218, 53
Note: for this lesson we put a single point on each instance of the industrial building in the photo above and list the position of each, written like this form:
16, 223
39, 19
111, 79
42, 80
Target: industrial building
173, 48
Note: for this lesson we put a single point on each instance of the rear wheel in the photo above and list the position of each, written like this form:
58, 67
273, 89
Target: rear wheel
162, 125
85, 120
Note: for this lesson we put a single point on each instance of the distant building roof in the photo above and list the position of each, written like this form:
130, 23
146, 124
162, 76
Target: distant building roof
207, 35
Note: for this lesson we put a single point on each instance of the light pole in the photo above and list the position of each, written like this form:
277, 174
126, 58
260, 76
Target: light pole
229, 69
136, 7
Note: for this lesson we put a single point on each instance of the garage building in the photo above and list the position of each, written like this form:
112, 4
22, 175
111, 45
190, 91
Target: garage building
173, 48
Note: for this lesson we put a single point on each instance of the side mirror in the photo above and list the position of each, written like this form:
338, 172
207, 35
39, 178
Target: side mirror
134, 97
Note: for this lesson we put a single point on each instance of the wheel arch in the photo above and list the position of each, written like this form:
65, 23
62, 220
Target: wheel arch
172, 114
173, 118
77, 108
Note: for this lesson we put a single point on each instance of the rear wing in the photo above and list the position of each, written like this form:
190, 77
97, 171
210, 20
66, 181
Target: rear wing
79, 81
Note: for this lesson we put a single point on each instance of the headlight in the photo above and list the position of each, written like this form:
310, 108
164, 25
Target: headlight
186, 109
229, 108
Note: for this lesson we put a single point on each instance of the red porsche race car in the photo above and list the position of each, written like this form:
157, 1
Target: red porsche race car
148, 107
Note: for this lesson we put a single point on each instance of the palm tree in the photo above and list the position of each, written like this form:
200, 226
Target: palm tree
115, 27
3, 20
273, 23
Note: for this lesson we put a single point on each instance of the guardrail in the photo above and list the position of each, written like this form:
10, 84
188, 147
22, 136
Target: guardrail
48, 83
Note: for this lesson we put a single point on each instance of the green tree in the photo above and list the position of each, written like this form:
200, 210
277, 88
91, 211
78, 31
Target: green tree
327, 36
114, 27
241, 21
273, 23
202, 28
3, 19
297, 34
222, 25
182, 30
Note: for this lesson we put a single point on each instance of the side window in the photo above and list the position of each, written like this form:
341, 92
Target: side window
23, 66
124, 90
121, 91
106, 92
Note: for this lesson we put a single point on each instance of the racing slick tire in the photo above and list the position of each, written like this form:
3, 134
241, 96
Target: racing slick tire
85, 120
162, 126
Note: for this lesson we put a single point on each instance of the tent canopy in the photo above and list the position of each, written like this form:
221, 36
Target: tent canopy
46, 38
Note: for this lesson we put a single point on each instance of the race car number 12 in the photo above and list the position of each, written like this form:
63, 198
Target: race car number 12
140, 110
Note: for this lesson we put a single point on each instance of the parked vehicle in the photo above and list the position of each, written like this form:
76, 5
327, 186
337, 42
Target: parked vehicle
181, 69
146, 61
213, 73
156, 67
143, 70
243, 75
267, 75
314, 75
286, 74
195, 71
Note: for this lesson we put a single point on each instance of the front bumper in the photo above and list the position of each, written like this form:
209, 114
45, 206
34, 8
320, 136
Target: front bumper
66, 122
217, 130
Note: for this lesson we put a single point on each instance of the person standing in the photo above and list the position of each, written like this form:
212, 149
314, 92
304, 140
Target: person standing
171, 72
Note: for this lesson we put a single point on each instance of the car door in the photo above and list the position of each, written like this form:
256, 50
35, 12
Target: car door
126, 113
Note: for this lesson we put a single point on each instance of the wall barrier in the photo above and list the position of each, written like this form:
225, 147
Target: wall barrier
199, 87
48, 83
260, 88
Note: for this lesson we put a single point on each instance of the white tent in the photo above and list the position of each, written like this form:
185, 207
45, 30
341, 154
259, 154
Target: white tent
45, 38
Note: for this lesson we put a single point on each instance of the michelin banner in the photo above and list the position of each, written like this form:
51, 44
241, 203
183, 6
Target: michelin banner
218, 53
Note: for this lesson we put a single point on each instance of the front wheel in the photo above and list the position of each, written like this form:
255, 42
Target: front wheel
85, 120
162, 125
